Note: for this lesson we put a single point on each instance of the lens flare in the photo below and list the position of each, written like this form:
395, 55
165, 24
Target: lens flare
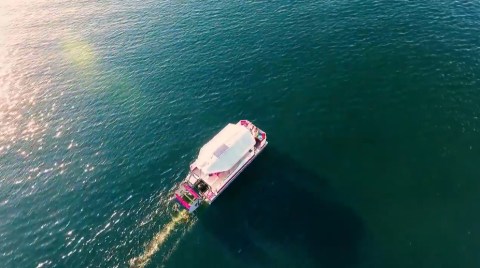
80, 53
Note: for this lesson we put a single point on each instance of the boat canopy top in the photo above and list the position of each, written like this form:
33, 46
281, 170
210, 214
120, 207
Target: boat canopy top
224, 150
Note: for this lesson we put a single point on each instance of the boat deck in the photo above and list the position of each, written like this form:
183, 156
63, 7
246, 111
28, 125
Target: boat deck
216, 182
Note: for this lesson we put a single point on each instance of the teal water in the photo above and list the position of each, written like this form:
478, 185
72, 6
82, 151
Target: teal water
371, 109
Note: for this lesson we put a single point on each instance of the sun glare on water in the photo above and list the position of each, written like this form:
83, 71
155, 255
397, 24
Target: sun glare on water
17, 94
33, 40
36, 50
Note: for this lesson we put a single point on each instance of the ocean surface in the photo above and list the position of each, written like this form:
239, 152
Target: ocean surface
372, 110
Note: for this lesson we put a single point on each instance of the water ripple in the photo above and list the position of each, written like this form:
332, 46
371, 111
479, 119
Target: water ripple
103, 104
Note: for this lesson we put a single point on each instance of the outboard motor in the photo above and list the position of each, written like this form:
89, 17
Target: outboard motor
202, 186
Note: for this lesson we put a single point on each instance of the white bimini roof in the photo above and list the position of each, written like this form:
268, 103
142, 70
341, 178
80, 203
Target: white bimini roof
224, 150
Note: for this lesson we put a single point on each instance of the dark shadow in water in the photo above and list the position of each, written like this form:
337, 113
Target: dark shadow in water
277, 201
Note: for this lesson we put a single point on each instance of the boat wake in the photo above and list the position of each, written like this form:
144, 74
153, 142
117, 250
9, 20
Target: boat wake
158, 240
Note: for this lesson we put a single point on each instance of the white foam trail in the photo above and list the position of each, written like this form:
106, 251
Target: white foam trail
191, 222
155, 244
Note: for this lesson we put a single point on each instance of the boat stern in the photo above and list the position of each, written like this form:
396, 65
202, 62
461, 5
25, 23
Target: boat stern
187, 197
